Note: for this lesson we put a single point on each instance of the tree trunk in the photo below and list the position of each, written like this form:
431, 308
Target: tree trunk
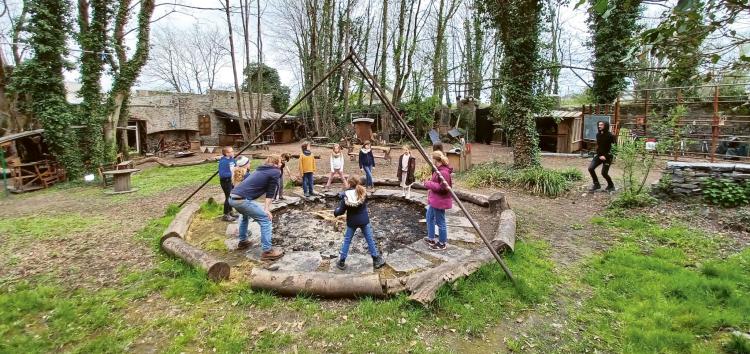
217, 270
321, 284
237, 92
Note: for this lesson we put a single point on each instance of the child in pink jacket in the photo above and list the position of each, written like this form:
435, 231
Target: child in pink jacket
438, 200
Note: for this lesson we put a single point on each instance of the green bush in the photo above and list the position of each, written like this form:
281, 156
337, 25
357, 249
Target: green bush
628, 199
538, 180
542, 181
572, 174
491, 174
726, 193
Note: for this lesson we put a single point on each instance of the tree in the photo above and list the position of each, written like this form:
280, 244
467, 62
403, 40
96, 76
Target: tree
42, 78
271, 84
613, 39
93, 18
517, 23
188, 61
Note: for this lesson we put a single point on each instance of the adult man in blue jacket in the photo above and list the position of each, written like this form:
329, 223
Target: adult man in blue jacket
264, 181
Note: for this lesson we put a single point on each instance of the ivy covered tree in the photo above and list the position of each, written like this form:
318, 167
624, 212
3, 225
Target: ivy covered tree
41, 78
93, 17
270, 83
518, 25
614, 28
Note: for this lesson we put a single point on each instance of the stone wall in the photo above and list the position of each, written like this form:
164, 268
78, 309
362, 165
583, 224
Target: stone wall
687, 178
173, 111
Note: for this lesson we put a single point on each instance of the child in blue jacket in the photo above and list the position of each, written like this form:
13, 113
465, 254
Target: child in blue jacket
354, 204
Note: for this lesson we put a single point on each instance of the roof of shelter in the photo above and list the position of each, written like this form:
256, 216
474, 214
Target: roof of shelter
266, 115
20, 135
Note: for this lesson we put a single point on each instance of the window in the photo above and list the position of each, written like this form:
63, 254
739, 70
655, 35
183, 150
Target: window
204, 124
576, 133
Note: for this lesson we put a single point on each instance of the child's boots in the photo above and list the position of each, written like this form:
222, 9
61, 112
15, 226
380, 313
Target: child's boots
378, 262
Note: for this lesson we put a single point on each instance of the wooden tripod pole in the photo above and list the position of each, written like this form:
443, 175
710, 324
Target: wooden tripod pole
270, 126
389, 105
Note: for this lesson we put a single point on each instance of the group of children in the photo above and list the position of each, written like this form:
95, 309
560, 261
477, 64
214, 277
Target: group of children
353, 201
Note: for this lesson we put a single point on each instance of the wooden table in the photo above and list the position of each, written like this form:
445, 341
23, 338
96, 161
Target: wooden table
121, 180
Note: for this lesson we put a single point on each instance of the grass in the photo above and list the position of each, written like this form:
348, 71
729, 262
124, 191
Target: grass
537, 180
42, 227
158, 179
662, 289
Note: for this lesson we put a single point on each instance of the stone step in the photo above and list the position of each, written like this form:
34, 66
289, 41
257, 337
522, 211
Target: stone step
452, 252
356, 263
301, 261
406, 260
464, 234
253, 230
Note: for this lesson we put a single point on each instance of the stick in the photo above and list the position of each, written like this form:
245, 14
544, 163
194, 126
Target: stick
270, 126
392, 110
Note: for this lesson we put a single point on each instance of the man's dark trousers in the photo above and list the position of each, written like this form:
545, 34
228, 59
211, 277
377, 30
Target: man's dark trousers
605, 171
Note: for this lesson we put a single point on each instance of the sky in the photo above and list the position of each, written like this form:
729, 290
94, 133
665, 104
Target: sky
276, 49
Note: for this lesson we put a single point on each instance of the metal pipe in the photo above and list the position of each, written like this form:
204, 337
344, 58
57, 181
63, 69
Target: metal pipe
320, 82
376, 88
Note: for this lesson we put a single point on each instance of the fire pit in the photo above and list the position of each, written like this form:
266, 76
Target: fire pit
312, 237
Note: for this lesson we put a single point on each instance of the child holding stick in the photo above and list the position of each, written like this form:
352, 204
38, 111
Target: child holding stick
226, 165
438, 200
285, 157
354, 204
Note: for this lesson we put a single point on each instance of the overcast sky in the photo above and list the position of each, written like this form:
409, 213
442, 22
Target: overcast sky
278, 55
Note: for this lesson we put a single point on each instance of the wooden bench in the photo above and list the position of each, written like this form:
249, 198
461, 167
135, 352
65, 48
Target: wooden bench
263, 145
379, 152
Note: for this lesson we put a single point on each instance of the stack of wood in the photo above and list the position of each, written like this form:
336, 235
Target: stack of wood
339, 222
174, 145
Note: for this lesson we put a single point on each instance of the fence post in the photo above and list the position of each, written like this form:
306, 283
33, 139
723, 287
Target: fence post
715, 124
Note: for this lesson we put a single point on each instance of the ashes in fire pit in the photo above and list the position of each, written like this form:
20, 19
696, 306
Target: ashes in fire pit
312, 227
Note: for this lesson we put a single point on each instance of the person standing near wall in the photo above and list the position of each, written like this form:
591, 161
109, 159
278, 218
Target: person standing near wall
604, 141
226, 165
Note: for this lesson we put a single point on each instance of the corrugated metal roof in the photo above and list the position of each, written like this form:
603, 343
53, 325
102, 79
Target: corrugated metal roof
559, 114
20, 135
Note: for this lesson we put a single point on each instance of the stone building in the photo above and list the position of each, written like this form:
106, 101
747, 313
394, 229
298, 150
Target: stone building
161, 119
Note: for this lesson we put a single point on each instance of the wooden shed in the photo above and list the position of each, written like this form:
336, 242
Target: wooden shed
560, 131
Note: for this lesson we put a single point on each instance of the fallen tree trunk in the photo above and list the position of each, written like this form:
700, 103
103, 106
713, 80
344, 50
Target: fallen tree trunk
181, 222
177, 247
314, 283
424, 286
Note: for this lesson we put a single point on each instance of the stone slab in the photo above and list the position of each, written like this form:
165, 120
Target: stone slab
418, 197
301, 261
253, 230
356, 263
452, 252
386, 193
406, 260
462, 234
460, 221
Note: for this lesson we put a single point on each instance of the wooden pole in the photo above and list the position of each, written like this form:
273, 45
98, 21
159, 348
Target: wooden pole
270, 126
715, 124
376, 88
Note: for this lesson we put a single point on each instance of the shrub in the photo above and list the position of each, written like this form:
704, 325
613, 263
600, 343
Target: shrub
491, 174
542, 181
628, 199
537, 180
726, 193
572, 174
